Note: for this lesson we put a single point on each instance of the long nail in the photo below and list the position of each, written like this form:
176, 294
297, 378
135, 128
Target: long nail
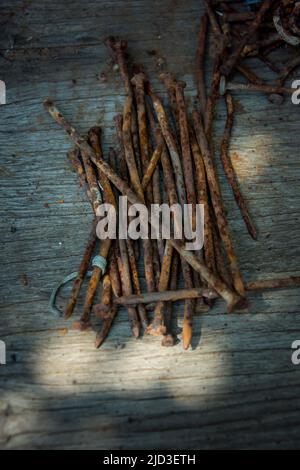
293, 281
95, 141
230, 63
233, 86
166, 296
200, 59
127, 265
157, 326
84, 265
151, 167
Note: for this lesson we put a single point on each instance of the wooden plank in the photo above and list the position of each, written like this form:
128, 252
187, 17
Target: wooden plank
237, 387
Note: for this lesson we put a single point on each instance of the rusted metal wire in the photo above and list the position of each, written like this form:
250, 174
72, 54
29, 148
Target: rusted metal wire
130, 126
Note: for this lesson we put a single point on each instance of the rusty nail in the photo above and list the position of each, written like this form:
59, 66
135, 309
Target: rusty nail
233, 86
229, 170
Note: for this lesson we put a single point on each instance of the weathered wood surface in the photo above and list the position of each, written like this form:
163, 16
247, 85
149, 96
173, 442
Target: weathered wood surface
237, 387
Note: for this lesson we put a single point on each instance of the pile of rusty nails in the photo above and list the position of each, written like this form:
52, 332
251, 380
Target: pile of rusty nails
156, 144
